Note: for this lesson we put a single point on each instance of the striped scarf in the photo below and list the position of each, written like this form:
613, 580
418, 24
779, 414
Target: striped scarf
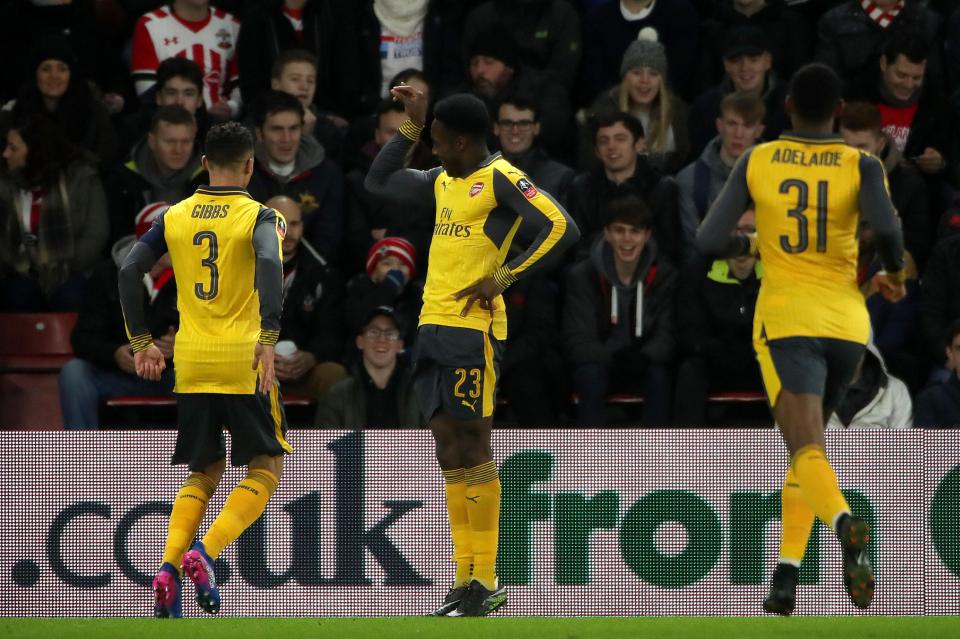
883, 17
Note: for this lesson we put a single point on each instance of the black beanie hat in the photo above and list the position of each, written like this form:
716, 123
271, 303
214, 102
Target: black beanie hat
495, 42
52, 48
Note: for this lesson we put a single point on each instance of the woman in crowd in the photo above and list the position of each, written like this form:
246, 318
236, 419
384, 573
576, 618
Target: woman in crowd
55, 88
644, 92
53, 219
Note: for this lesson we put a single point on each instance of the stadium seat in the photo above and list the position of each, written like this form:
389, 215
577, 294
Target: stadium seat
35, 342
738, 397
33, 348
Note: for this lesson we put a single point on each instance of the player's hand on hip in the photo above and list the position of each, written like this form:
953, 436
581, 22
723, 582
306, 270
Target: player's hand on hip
414, 102
149, 363
891, 291
483, 293
263, 358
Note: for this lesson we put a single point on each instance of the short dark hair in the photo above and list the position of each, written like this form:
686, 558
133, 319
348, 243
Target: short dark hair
748, 106
521, 102
179, 68
171, 114
387, 105
629, 209
465, 114
910, 45
610, 118
404, 76
49, 149
273, 102
228, 144
815, 91
290, 56
861, 116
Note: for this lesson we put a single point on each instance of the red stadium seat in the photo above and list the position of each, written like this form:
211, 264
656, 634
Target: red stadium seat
35, 341
33, 348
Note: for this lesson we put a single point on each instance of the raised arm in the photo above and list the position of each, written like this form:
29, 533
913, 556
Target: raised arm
388, 178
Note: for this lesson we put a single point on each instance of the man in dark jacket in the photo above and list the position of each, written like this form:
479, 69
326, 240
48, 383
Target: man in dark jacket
533, 375
618, 138
496, 72
103, 367
517, 128
618, 318
162, 168
379, 394
851, 37
292, 164
279, 25
715, 304
311, 327
938, 405
914, 113
790, 37
547, 33
739, 125
748, 63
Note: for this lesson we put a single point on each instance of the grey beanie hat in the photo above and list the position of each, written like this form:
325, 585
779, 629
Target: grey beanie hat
644, 53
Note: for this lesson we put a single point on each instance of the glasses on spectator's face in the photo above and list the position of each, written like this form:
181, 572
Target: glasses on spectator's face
390, 334
522, 125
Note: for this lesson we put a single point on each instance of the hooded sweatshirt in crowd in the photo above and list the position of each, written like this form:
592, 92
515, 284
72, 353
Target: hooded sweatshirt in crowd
600, 317
313, 182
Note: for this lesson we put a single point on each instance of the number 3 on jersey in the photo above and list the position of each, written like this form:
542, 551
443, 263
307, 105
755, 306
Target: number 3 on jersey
210, 261
799, 213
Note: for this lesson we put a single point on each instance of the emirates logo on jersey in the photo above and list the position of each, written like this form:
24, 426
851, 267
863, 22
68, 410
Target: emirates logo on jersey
476, 188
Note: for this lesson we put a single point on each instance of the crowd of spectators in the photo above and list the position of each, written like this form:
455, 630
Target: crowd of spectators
631, 113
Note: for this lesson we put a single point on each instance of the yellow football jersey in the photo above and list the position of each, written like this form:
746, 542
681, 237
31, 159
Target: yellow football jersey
210, 239
477, 217
806, 197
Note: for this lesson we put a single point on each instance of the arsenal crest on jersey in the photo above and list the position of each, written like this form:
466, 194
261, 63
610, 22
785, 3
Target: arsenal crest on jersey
476, 188
527, 188
281, 228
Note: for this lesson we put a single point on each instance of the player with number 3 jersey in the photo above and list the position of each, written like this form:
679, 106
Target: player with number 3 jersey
226, 254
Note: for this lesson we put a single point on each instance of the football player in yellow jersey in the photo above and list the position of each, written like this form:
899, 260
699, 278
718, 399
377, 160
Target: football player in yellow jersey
480, 200
226, 254
811, 324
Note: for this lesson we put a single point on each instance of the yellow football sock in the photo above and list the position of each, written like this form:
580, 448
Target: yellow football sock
185, 518
244, 505
483, 510
819, 484
459, 525
797, 519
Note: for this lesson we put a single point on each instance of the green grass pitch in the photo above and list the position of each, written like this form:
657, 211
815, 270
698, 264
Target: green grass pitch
491, 628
